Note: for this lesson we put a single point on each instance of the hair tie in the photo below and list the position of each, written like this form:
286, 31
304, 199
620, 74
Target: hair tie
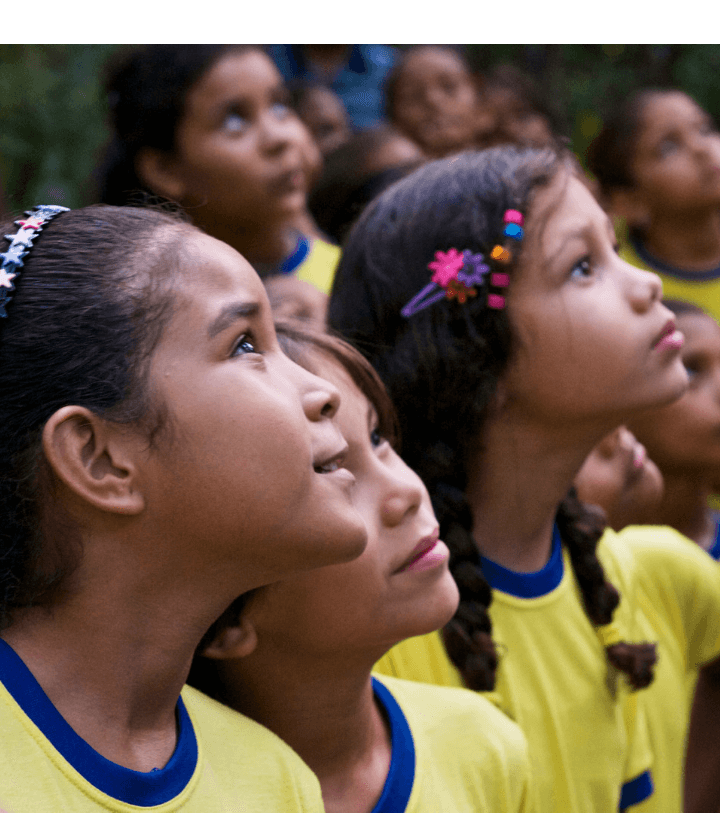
458, 274
609, 634
20, 244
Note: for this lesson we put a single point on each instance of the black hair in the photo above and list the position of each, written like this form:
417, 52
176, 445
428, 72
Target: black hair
349, 181
442, 366
611, 153
146, 90
299, 342
90, 304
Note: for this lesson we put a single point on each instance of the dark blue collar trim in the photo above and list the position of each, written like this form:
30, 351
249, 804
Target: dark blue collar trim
636, 790
714, 550
399, 782
134, 788
666, 268
527, 586
300, 252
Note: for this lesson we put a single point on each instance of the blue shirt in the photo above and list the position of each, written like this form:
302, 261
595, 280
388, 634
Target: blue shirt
359, 82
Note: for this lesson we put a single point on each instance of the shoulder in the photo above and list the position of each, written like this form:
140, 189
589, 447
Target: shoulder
258, 769
455, 714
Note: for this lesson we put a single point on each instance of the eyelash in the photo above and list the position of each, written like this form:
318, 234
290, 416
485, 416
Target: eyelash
245, 339
582, 263
376, 438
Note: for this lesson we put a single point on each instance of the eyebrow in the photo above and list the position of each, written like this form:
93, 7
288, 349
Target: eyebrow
231, 313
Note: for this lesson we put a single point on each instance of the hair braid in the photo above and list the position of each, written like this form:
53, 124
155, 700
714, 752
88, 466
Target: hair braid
581, 527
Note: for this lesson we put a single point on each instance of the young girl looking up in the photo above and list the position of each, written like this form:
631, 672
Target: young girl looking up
657, 160
684, 437
147, 411
210, 127
620, 478
297, 655
487, 291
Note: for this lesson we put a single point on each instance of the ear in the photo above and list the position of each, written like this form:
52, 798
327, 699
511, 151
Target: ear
159, 172
94, 459
629, 205
233, 642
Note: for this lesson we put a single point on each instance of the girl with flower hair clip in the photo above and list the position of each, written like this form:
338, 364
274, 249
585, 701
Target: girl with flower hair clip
500, 399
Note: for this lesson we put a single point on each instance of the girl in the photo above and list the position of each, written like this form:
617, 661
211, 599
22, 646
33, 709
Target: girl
146, 411
657, 160
529, 343
297, 655
684, 437
210, 127
619, 477
432, 98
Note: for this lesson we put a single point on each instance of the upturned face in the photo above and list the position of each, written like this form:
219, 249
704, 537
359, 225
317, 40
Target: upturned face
249, 476
594, 342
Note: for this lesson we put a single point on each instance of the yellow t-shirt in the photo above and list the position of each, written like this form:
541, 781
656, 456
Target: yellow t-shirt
452, 751
587, 736
701, 288
315, 262
223, 761
679, 603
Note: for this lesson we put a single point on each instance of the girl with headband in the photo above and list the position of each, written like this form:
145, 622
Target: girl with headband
487, 292
159, 455
297, 655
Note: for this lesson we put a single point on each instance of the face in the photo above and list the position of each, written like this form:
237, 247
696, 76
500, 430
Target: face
684, 437
240, 150
399, 587
324, 114
248, 479
515, 120
619, 477
436, 101
676, 162
594, 344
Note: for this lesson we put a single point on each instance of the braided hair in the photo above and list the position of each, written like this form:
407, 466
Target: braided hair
442, 369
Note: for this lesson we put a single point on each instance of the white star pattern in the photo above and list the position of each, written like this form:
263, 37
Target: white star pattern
6, 278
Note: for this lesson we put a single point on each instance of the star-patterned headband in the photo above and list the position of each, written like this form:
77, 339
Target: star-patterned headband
20, 245
456, 275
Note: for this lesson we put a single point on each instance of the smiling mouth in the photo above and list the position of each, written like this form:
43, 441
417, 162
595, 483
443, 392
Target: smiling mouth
332, 463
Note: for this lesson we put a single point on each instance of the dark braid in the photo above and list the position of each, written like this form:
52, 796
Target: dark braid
442, 369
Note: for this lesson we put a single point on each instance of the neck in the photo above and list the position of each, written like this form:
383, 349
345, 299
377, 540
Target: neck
330, 719
685, 507
114, 651
688, 240
264, 246
517, 483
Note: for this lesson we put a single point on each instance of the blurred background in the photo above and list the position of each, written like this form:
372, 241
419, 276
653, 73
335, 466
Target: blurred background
53, 114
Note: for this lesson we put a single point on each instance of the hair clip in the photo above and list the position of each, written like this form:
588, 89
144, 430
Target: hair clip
456, 274
20, 244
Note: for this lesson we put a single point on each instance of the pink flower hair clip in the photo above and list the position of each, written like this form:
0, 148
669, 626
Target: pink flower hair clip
458, 274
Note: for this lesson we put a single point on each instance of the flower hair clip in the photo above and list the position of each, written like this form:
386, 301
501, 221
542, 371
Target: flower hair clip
20, 244
457, 275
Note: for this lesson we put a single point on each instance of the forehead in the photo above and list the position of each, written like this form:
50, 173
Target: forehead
426, 62
699, 328
234, 74
662, 110
211, 271
564, 207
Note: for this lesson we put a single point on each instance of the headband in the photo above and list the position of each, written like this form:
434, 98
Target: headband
20, 244
456, 275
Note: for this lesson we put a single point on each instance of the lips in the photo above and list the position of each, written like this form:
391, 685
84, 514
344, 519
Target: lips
420, 550
669, 337
330, 462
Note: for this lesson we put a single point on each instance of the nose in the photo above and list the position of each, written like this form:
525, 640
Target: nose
404, 494
320, 399
644, 288
277, 132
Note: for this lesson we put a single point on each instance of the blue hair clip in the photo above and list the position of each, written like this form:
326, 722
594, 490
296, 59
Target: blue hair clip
20, 244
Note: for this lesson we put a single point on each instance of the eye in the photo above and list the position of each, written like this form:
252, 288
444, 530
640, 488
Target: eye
235, 123
377, 439
244, 345
582, 270
667, 147
280, 110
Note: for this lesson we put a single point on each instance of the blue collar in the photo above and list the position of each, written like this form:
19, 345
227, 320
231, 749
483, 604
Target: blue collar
527, 586
665, 268
134, 788
399, 782
714, 550
300, 252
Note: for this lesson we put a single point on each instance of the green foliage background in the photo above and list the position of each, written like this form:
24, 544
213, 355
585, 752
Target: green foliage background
53, 125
